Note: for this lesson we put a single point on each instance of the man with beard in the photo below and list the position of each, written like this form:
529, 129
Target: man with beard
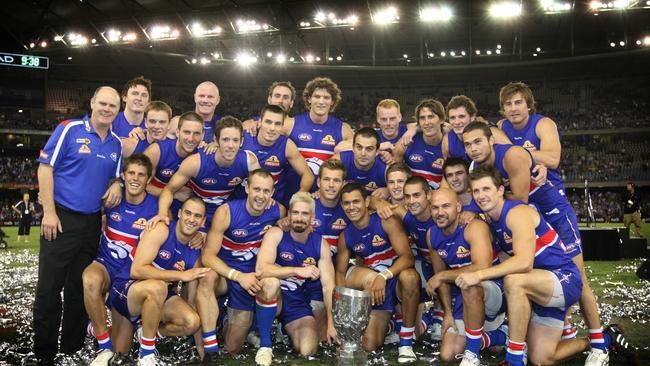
362, 164
136, 95
473, 315
387, 272
156, 119
285, 261
213, 177
231, 251
142, 290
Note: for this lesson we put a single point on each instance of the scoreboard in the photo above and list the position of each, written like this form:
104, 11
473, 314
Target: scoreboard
29, 61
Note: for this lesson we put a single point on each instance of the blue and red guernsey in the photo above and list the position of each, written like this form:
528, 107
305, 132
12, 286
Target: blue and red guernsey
453, 249
371, 179
527, 138
242, 240
121, 127
316, 141
456, 148
291, 253
214, 184
371, 244
547, 198
272, 158
209, 127
168, 163
172, 255
329, 222
121, 234
550, 252
425, 160
417, 230
401, 130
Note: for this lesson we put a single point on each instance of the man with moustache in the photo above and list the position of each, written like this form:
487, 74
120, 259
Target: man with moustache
76, 166
136, 95
156, 120
231, 252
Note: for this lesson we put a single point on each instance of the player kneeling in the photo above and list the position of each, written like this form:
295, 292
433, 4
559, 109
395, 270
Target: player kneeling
143, 291
472, 315
286, 260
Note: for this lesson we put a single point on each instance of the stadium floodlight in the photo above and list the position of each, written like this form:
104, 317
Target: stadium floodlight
435, 14
431, 55
332, 58
199, 30
405, 55
554, 7
386, 16
462, 53
320, 17
58, 38
534, 55
281, 59
506, 9
452, 54
309, 58
43, 44
76, 39
205, 60
339, 58
498, 51
160, 32
32, 45
194, 60
317, 59
269, 54
538, 49
113, 35
292, 59
638, 42
93, 41
69, 58
646, 41
129, 37
478, 52
245, 58
621, 43
352, 19
443, 53
489, 52
612, 44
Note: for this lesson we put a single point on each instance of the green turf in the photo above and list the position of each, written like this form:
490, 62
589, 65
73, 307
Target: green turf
603, 275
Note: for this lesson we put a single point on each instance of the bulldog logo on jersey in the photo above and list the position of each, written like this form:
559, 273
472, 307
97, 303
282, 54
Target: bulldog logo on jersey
438, 163
507, 238
180, 265
272, 161
328, 140
240, 233
167, 172
235, 181
416, 158
140, 223
287, 256
209, 181
371, 186
115, 216
266, 228
359, 248
378, 241
529, 145
462, 252
84, 149
310, 261
164, 255
339, 224
304, 137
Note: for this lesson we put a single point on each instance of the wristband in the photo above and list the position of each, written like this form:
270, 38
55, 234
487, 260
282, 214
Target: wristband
234, 277
383, 275
230, 274
389, 273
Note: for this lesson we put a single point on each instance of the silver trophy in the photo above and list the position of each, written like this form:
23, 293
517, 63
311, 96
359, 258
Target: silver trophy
351, 310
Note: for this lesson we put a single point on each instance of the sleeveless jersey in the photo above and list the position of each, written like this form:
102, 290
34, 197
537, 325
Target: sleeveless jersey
272, 158
425, 160
371, 179
209, 127
242, 240
329, 222
168, 163
371, 244
527, 138
121, 234
418, 231
291, 253
213, 183
401, 130
172, 255
121, 127
455, 147
550, 252
547, 198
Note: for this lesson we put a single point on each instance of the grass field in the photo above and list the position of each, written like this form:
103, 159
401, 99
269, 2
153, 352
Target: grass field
622, 297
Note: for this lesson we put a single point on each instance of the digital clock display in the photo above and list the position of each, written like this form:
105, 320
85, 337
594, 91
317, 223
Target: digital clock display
30, 61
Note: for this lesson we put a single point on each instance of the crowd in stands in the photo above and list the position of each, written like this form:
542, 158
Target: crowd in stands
9, 215
18, 170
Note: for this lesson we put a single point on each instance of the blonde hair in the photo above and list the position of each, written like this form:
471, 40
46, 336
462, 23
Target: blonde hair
303, 197
388, 103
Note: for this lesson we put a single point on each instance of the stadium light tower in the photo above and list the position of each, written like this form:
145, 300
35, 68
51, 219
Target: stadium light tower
556, 7
505, 9
386, 16
435, 14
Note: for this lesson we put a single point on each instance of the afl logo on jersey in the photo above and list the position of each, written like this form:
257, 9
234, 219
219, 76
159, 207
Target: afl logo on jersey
164, 255
339, 224
140, 223
209, 181
272, 161
316, 223
416, 158
442, 253
462, 252
115, 216
359, 248
235, 181
378, 241
328, 140
529, 145
438, 163
287, 256
240, 233
304, 137
167, 172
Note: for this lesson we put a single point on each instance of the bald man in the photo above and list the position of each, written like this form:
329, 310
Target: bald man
472, 315
206, 99
79, 168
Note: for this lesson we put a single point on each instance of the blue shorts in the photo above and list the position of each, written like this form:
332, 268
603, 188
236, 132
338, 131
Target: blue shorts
566, 226
118, 299
570, 281
425, 270
111, 267
295, 305
238, 298
490, 313
314, 290
391, 299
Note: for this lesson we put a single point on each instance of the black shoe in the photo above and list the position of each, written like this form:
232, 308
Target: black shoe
210, 359
620, 345
120, 359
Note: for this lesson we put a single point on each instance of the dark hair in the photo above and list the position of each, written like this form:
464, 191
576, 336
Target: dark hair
367, 132
286, 84
435, 106
158, 105
138, 80
416, 179
486, 171
511, 89
477, 125
453, 161
139, 159
462, 101
332, 164
354, 186
260, 171
399, 167
322, 83
190, 116
228, 122
273, 109
197, 200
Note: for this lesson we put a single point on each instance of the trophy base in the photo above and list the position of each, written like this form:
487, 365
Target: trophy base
356, 357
